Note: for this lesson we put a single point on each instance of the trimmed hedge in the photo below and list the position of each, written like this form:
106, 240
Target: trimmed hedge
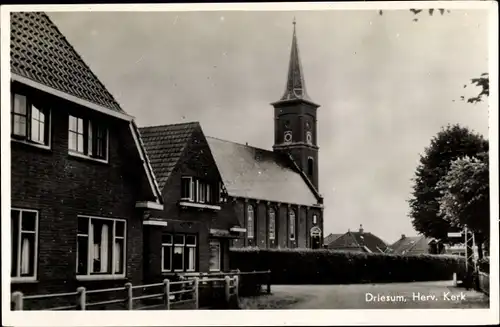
306, 266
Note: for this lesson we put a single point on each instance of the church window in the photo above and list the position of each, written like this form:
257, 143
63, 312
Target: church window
291, 225
310, 166
250, 221
288, 137
272, 224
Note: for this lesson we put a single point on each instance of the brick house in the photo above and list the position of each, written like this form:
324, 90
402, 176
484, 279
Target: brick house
359, 241
80, 176
269, 198
408, 245
193, 232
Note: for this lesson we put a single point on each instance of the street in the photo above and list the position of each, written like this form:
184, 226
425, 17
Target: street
418, 295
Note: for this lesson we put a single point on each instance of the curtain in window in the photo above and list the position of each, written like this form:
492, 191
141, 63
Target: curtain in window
118, 256
94, 249
104, 248
25, 257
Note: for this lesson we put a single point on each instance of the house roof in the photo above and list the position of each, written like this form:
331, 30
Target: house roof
407, 244
330, 238
164, 145
358, 240
255, 173
41, 53
372, 242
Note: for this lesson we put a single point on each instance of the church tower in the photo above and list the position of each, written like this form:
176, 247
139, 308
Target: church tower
295, 127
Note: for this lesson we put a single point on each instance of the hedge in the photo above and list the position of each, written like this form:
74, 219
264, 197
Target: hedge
306, 266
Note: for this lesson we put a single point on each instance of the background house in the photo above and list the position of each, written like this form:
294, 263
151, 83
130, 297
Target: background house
80, 178
415, 245
359, 241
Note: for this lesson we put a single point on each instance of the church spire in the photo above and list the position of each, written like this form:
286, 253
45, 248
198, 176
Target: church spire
295, 85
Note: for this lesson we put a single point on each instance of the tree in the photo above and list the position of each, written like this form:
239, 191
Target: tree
449, 144
465, 196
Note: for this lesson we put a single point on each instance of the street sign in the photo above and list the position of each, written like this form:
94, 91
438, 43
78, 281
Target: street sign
455, 234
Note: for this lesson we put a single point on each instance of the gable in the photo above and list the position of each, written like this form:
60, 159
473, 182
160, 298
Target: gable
372, 242
344, 241
165, 145
330, 238
254, 173
39, 52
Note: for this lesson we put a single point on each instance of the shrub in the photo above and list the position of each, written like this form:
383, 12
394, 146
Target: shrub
306, 266
484, 265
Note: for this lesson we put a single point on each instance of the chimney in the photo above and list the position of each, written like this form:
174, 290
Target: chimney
361, 229
403, 236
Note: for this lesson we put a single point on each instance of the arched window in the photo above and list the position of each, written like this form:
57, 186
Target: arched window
291, 225
250, 221
310, 166
272, 224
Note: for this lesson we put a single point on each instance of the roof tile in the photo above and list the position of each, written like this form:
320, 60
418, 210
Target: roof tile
40, 52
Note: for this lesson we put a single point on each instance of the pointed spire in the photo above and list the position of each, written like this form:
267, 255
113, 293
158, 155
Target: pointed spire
295, 85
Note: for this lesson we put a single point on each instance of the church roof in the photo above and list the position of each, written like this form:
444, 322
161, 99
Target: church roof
41, 53
255, 173
295, 85
165, 145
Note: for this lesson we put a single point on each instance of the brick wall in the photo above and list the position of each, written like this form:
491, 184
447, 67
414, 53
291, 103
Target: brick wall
196, 161
62, 187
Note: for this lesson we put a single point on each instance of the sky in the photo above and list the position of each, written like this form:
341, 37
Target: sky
386, 85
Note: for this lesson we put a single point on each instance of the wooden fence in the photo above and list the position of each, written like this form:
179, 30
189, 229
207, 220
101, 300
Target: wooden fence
171, 294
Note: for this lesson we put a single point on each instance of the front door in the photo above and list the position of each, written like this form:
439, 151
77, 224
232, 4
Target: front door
315, 237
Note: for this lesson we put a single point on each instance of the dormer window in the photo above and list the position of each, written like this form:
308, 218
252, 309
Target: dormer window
29, 123
288, 136
88, 138
196, 190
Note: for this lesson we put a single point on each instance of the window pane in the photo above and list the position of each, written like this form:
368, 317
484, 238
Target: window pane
79, 143
101, 246
90, 140
19, 125
190, 259
167, 258
120, 228
72, 141
214, 255
250, 222
35, 130
20, 104
72, 123
166, 239
28, 221
83, 225
82, 253
185, 188
178, 259
272, 223
28, 254
80, 125
191, 239
179, 239
14, 227
119, 255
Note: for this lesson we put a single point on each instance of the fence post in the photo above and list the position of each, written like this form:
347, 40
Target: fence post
130, 296
227, 289
454, 279
82, 297
236, 285
166, 288
17, 298
269, 282
196, 293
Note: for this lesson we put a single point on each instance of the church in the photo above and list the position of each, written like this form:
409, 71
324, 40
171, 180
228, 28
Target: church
227, 194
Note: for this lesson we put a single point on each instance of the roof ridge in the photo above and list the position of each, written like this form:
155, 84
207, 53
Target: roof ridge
170, 125
306, 179
238, 143
79, 58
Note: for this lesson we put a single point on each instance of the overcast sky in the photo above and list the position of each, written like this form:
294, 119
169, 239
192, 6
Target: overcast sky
386, 85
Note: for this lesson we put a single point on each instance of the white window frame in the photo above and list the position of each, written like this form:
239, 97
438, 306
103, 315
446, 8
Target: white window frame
291, 214
112, 274
273, 235
26, 139
171, 247
183, 245
188, 246
88, 139
250, 229
213, 241
309, 139
190, 198
20, 278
